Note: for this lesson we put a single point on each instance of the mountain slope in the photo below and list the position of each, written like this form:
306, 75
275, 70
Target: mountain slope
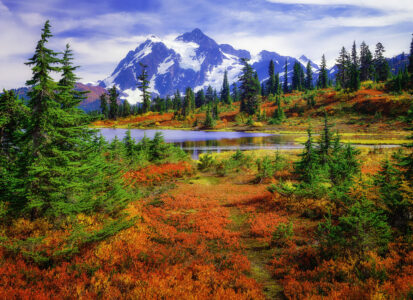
191, 60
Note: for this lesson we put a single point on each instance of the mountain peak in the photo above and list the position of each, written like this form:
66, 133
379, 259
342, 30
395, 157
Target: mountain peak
153, 38
304, 58
198, 37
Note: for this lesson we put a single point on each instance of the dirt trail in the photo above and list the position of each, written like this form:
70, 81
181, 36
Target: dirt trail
242, 202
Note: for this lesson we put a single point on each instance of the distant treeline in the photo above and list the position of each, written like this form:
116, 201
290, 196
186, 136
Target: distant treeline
352, 68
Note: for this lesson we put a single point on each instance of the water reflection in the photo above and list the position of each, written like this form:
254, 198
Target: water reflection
197, 142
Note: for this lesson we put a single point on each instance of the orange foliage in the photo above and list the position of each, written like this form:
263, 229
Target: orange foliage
155, 174
181, 249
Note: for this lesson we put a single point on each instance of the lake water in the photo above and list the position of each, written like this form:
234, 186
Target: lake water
197, 142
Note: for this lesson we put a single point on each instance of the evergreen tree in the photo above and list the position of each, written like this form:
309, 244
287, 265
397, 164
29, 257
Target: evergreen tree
235, 92
308, 163
380, 63
143, 85
277, 88
177, 101
406, 161
200, 98
285, 83
187, 104
257, 83
343, 163
209, 95
278, 115
271, 84
366, 63
297, 83
302, 78
68, 95
193, 105
309, 77
343, 66
42, 95
126, 108
389, 180
113, 100
158, 104
13, 121
209, 121
64, 174
410, 68
104, 108
249, 89
215, 97
168, 103
354, 70
215, 111
225, 91
361, 229
325, 143
129, 144
323, 77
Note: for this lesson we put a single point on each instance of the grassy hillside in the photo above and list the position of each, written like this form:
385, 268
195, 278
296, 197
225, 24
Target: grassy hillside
369, 110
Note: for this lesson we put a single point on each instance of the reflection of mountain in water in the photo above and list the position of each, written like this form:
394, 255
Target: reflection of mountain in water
196, 142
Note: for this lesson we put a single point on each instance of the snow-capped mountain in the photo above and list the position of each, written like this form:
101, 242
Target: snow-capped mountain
191, 60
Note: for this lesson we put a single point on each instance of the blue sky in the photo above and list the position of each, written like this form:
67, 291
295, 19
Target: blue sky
102, 32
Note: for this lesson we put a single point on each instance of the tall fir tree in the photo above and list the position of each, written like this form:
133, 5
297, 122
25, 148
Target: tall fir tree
285, 83
342, 64
296, 83
143, 85
126, 108
199, 98
410, 67
249, 89
188, 100
277, 89
323, 76
354, 69
42, 94
235, 92
193, 105
366, 63
69, 96
309, 161
309, 77
168, 103
326, 141
14, 116
209, 95
113, 103
225, 91
302, 78
271, 84
177, 101
64, 174
104, 107
278, 115
381, 66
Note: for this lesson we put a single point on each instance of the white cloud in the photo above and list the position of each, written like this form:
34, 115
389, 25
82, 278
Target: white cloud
376, 4
252, 25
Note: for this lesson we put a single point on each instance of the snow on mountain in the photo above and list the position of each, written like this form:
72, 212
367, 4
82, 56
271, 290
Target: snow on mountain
304, 60
191, 60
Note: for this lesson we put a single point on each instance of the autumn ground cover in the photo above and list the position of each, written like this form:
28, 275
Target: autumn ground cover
369, 110
202, 235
